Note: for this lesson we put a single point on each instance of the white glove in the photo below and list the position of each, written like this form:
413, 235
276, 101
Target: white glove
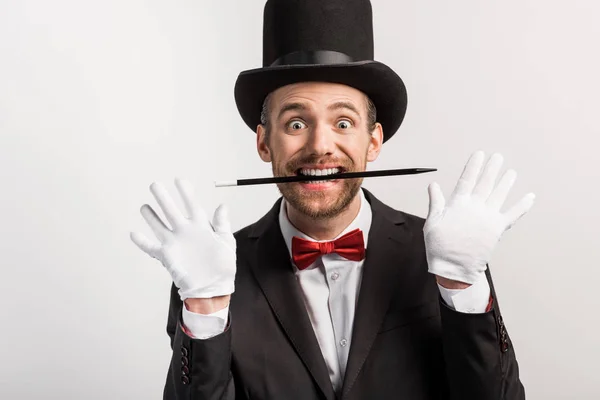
200, 257
460, 236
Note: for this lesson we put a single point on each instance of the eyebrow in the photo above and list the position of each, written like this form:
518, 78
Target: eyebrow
291, 107
302, 107
344, 105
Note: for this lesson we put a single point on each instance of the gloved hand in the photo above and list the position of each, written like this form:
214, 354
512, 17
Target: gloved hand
461, 235
200, 256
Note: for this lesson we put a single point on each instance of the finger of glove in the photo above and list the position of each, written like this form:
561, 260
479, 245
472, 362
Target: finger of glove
467, 180
161, 231
193, 208
220, 221
436, 200
186, 191
166, 203
500, 192
519, 209
145, 244
487, 180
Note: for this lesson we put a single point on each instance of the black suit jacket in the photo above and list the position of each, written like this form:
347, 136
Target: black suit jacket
406, 344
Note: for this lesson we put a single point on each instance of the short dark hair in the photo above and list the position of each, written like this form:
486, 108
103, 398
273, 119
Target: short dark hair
266, 108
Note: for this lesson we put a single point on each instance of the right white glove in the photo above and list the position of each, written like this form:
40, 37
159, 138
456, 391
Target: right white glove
200, 256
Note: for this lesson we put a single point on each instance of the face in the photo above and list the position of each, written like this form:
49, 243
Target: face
318, 129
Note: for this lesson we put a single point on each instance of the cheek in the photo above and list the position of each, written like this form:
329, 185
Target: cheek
285, 146
356, 149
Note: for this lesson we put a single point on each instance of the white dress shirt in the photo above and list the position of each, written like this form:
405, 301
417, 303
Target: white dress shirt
330, 288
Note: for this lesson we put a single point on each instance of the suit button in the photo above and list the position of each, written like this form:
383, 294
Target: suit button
185, 370
184, 351
184, 361
185, 380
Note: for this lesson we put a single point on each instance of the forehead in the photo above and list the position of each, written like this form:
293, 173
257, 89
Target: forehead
316, 94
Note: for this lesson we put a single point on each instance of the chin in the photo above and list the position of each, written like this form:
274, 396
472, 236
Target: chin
324, 204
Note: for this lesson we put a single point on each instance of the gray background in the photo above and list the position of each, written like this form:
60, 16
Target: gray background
100, 99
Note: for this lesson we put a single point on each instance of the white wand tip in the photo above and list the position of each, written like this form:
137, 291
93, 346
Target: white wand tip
225, 183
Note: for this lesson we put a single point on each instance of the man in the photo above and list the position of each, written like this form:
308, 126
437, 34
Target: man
332, 294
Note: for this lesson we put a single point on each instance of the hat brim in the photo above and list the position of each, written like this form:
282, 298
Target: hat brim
378, 81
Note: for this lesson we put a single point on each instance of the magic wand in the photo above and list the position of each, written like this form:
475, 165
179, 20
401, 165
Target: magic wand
308, 178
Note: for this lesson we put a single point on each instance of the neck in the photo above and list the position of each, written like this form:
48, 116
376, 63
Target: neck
324, 228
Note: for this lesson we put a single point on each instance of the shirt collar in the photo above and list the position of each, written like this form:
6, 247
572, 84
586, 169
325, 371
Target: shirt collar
362, 222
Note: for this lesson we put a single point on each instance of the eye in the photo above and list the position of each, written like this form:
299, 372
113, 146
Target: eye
296, 125
344, 124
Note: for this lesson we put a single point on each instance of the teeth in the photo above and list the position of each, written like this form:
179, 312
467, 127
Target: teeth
319, 172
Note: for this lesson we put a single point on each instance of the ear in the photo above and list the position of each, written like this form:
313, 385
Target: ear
261, 146
375, 142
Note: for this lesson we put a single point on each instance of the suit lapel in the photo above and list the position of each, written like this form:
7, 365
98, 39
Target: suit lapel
274, 274
387, 250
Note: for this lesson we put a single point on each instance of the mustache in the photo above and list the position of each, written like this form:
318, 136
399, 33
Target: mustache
294, 165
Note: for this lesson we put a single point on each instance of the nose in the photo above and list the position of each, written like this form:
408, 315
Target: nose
320, 141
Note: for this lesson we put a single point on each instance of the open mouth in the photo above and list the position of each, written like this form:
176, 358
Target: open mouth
319, 173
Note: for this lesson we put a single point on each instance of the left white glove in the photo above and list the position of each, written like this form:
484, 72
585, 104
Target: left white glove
461, 235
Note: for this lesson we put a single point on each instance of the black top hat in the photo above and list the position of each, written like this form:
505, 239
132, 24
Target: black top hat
326, 41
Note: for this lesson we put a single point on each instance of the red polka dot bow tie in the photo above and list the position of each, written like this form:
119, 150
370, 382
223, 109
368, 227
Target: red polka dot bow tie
350, 246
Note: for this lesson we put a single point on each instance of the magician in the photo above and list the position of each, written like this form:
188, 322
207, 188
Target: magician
333, 294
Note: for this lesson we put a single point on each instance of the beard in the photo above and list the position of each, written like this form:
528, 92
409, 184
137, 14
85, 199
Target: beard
318, 204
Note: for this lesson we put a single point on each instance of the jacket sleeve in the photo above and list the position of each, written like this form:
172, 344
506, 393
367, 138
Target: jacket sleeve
479, 355
200, 368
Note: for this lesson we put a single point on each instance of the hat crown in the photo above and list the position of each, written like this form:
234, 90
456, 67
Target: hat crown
292, 26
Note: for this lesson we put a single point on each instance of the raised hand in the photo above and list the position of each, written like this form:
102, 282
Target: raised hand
461, 234
199, 255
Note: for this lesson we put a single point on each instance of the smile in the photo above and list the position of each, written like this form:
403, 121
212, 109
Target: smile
318, 172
